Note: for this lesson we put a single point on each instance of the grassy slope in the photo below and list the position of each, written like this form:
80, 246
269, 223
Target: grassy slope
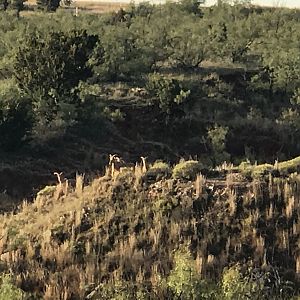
126, 228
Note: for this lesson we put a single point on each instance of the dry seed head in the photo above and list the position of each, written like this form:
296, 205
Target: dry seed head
199, 264
228, 245
260, 246
79, 185
290, 206
229, 179
298, 264
199, 185
210, 259
270, 212
232, 202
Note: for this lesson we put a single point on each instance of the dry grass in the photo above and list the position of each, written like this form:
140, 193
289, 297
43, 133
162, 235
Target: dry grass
91, 6
100, 7
124, 228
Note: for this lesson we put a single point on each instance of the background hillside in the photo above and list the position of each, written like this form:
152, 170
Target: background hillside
212, 101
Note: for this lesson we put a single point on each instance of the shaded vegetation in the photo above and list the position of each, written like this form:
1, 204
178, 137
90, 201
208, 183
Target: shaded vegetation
115, 238
211, 213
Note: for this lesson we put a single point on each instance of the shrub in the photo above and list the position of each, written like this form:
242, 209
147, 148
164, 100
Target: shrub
255, 171
168, 91
17, 5
159, 170
118, 57
54, 63
8, 291
192, 6
47, 191
48, 69
15, 116
3, 4
217, 137
165, 205
244, 165
235, 285
290, 166
48, 5
187, 170
261, 170
185, 282
143, 9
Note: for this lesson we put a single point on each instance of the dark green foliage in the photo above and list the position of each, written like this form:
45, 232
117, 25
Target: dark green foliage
192, 6
48, 69
16, 5
118, 57
15, 123
168, 91
3, 4
236, 79
15, 117
48, 5
121, 16
143, 9
54, 63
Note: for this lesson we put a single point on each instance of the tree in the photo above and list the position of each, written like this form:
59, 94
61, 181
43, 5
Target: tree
217, 136
152, 34
192, 6
15, 116
169, 93
188, 44
143, 9
118, 56
48, 69
48, 5
17, 5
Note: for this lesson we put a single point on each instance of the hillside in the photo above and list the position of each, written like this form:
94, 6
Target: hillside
125, 229
143, 158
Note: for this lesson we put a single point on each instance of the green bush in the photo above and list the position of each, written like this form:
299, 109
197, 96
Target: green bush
185, 282
168, 91
16, 5
3, 4
261, 170
187, 170
235, 285
159, 170
15, 116
217, 137
118, 57
290, 166
48, 68
165, 205
244, 165
48, 5
8, 291
255, 171
192, 6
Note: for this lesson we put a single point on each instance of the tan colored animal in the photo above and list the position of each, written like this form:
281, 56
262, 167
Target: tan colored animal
62, 187
144, 165
117, 165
